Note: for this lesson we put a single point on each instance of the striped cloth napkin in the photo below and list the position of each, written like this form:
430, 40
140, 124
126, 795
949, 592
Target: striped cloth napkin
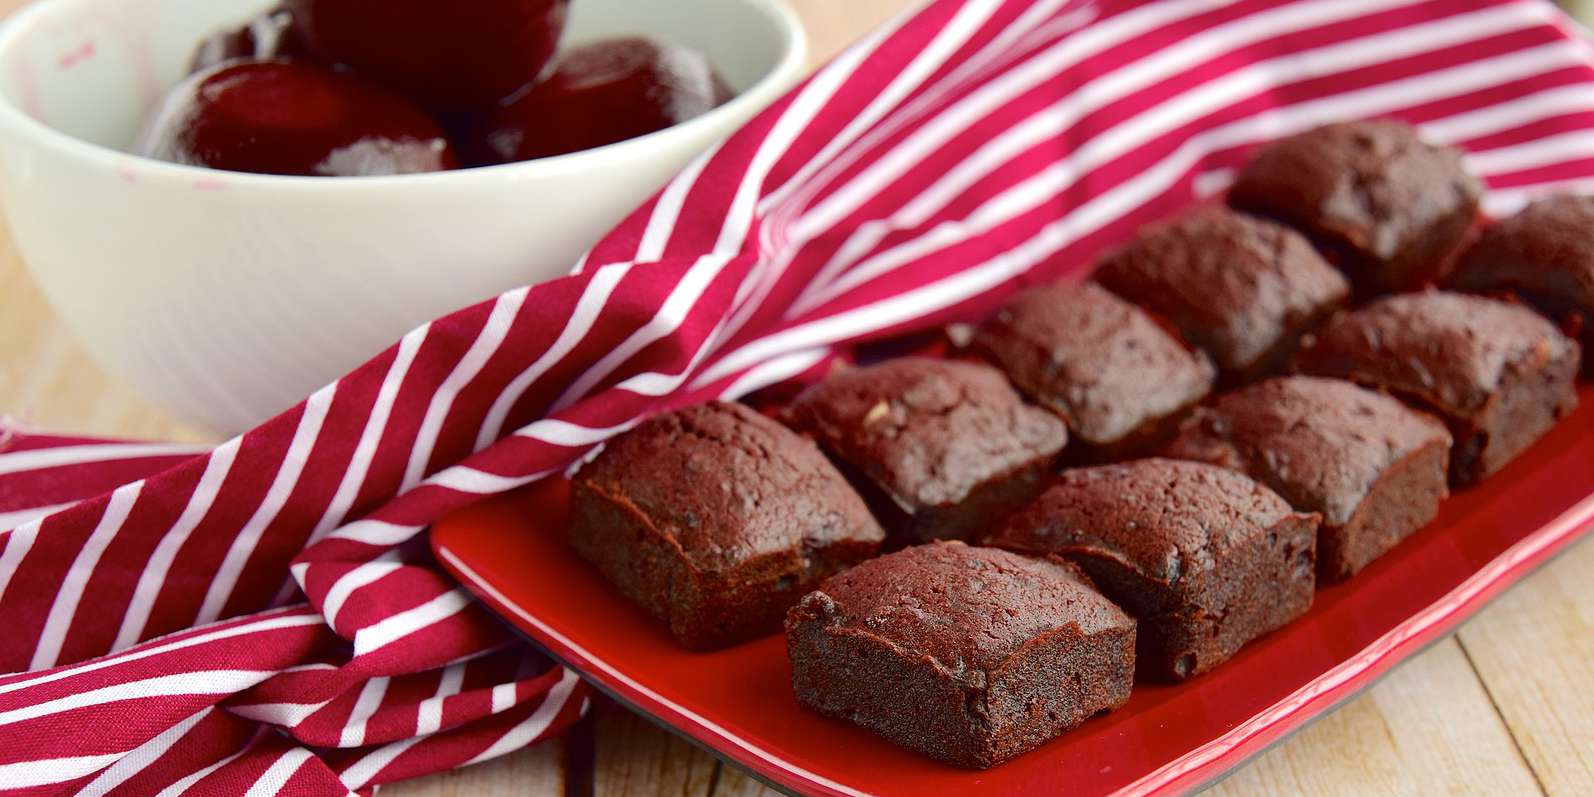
264, 617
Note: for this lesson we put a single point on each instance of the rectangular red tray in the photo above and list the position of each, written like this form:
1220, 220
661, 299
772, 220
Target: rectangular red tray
1168, 739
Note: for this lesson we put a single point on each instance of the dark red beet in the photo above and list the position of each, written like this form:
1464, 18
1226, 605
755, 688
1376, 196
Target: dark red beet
459, 55
273, 34
280, 117
602, 93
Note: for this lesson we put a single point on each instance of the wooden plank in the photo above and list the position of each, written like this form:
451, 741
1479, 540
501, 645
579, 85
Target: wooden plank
1426, 729
1534, 649
534, 771
635, 758
734, 782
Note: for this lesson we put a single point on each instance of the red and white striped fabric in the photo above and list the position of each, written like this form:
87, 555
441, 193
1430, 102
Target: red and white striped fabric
263, 617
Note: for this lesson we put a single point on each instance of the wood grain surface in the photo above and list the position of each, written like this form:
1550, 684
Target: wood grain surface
1506, 706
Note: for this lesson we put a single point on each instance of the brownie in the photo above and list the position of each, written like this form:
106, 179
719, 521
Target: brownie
1372, 467
716, 519
1388, 207
942, 449
1204, 558
1545, 255
1241, 288
968, 655
1499, 374
1119, 379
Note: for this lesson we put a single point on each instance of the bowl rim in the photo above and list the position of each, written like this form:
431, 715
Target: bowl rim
776, 81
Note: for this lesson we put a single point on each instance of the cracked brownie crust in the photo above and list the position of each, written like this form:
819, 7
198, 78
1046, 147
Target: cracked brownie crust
716, 520
1389, 207
1499, 374
942, 448
1544, 254
1203, 557
1241, 288
1106, 367
1372, 467
968, 655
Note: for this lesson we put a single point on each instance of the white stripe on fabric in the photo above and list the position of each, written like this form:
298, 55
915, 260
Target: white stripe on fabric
153, 576
785, 201
672, 313
365, 707
375, 532
91, 454
22, 517
18, 542
287, 715
667, 211
371, 764
297, 618
774, 372
359, 467
200, 682
588, 309
276, 777
569, 435
44, 772
282, 486
64, 608
1558, 101
182, 786
1180, 110
391, 629
346, 585
429, 714
499, 322
528, 730
142, 756
477, 482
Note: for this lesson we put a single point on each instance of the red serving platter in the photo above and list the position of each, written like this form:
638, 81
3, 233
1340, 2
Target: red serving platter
1168, 739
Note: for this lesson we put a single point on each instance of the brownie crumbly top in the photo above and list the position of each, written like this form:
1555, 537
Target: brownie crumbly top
1321, 443
1449, 350
728, 484
1546, 252
928, 431
1372, 185
1095, 359
1234, 284
968, 609
1168, 520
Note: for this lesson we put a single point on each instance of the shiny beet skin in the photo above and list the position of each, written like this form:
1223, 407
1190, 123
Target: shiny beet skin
602, 93
273, 34
458, 55
280, 117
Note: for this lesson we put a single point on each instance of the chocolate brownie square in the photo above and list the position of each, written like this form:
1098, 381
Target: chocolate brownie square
1374, 468
1499, 374
1387, 206
1545, 255
1241, 288
941, 449
1119, 379
970, 656
716, 519
1204, 558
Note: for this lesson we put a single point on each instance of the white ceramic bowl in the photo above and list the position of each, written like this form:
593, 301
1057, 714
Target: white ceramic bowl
228, 297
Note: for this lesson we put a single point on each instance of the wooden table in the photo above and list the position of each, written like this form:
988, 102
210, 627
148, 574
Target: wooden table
1506, 706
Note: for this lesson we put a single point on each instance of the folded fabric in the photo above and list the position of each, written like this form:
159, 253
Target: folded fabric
264, 617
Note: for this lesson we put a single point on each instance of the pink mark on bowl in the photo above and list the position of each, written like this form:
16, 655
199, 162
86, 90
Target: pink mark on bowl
27, 87
81, 53
127, 174
210, 184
